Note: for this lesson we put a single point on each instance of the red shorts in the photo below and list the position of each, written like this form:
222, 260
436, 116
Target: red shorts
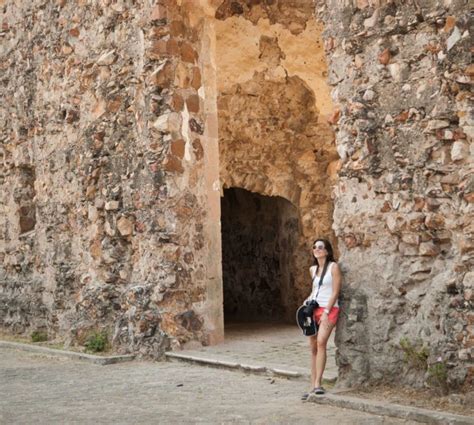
333, 314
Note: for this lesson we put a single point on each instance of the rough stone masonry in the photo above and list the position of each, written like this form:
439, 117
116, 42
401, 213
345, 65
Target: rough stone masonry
123, 121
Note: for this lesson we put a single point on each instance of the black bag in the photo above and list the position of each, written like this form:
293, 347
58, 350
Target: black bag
304, 314
306, 321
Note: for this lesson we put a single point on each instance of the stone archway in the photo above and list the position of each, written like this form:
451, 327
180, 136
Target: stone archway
274, 136
259, 239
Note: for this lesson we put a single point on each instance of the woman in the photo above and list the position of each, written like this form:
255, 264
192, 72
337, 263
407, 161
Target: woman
327, 313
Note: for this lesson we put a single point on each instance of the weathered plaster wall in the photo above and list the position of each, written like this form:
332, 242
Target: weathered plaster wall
403, 202
240, 55
107, 207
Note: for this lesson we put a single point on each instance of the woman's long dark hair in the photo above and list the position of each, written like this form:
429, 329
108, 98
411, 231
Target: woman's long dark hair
330, 258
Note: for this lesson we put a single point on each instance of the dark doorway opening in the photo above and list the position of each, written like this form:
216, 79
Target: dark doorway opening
259, 239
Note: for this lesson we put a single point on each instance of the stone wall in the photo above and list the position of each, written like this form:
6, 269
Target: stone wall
403, 201
108, 212
110, 168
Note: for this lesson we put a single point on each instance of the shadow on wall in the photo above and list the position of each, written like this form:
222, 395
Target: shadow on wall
259, 242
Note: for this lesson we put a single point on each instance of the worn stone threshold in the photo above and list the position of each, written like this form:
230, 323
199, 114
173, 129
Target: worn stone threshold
243, 367
390, 409
100, 360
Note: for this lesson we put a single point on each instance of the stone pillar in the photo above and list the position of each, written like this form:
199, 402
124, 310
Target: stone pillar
212, 308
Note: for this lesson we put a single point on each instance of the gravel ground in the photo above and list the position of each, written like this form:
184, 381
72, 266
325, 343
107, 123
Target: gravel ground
42, 390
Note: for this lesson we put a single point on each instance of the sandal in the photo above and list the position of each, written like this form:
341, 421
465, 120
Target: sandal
319, 391
305, 396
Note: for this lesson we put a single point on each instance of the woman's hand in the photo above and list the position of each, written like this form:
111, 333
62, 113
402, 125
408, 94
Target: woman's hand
325, 321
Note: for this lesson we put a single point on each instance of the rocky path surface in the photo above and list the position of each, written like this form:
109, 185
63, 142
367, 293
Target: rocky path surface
278, 346
41, 390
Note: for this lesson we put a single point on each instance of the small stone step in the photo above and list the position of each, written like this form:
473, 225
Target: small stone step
245, 367
52, 352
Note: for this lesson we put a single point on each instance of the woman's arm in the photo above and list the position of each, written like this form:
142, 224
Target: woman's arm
336, 285
312, 286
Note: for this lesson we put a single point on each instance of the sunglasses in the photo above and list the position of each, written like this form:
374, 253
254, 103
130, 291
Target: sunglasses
319, 246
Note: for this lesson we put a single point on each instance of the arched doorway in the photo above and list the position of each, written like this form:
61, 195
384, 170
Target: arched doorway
277, 157
259, 241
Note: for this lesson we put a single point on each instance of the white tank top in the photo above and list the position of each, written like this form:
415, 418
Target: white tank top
325, 291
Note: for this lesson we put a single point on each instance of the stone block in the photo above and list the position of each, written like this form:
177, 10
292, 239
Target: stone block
196, 126
465, 244
350, 240
111, 205
468, 295
90, 192
182, 77
172, 47
114, 104
407, 249
173, 164
178, 147
158, 49
198, 149
196, 78
384, 57
167, 123
177, 28
459, 151
92, 213
159, 32
177, 102
468, 281
188, 54
158, 12
436, 125
192, 103
66, 49
164, 75
429, 249
125, 226
26, 223
435, 221
398, 71
109, 229
411, 238
107, 58
415, 222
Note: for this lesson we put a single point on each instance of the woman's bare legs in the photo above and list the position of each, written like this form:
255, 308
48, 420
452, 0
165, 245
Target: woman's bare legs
313, 343
318, 346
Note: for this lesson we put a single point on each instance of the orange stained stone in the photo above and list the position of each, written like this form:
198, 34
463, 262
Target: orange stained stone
177, 148
158, 49
385, 56
192, 102
177, 102
450, 23
173, 164
177, 28
196, 78
188, 54
74, 32
172, 47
